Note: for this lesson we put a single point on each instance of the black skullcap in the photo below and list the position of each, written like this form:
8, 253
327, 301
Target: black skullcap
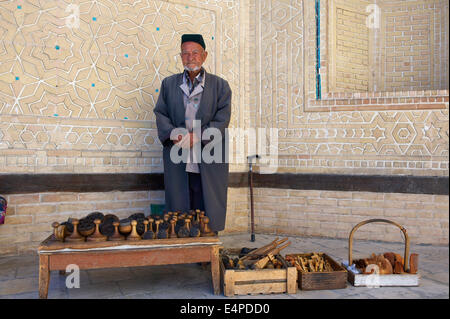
193, 38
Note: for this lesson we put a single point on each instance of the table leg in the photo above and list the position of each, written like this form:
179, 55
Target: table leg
44, 276
215, 269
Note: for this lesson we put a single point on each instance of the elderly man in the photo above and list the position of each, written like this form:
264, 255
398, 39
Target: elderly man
192, 102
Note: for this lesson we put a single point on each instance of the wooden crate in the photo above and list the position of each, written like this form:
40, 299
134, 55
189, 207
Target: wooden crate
337, 279
380, 280
258, 281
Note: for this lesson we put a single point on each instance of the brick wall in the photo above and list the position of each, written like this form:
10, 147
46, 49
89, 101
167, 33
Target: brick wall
333, 214
29, 216
277, 211
411, 52
90, 111
408, 59
386, 45
379, 131
352, 51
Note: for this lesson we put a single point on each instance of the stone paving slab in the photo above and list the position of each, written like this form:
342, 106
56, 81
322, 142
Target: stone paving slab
19, 275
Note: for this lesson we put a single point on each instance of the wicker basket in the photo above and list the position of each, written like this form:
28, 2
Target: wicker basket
381, 280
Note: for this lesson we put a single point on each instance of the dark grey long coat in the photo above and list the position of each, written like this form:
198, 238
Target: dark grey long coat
214, 111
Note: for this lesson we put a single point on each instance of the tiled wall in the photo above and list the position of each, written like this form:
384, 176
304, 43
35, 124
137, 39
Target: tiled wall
78, 98
390, 131
368, 121
79, 79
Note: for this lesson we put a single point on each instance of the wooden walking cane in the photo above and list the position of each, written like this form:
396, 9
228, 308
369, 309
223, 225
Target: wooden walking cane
250, 182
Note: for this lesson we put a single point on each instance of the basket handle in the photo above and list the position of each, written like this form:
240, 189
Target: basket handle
350, 240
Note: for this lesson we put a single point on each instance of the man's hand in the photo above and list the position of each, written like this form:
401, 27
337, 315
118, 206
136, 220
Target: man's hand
178, 139
193, 139
183, 141
186, 141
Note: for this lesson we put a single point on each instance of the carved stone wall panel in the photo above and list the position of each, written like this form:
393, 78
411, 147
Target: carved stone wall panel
85, 75
280, 25
372, 132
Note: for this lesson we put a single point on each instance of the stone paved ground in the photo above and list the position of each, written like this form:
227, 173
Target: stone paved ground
19, 275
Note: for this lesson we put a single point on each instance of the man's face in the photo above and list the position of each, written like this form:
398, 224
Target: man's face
192, 55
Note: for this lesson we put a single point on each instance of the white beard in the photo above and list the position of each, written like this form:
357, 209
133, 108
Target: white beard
192, 69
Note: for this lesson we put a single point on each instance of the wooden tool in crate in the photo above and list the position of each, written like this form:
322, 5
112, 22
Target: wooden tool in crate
255, 279
327, 275
408, 277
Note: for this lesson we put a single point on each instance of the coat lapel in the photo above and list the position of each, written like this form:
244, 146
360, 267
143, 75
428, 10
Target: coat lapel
197, 90
184, 87
206, 99
180, 111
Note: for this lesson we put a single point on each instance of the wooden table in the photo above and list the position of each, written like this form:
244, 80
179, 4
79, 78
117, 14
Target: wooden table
56, 255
